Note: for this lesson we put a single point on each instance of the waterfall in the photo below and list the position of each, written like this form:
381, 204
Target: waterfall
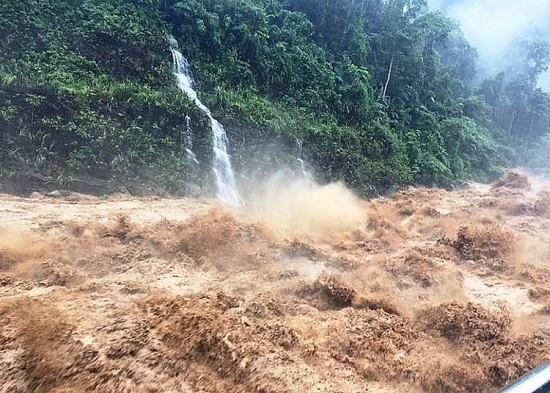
225, 178
186, 134
299, 157
187, 143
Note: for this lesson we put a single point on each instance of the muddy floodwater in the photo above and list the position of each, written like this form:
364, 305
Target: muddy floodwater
303, 290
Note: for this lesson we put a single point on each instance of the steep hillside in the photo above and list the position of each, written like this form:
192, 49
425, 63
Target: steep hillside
87, 88
376, 93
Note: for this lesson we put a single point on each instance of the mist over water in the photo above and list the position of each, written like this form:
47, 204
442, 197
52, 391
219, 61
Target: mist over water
298, 205
492, 26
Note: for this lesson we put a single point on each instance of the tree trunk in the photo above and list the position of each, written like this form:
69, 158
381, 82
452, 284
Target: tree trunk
383, 97
512, 121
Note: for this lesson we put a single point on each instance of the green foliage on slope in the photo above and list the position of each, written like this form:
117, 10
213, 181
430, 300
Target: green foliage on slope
87, 87
380, 92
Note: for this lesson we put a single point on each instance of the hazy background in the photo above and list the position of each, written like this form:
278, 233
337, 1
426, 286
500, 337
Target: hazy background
493, 25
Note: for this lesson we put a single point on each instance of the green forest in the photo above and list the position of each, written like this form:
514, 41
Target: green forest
381, 93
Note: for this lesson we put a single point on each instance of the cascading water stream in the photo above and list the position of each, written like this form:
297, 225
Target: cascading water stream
223, 171
187, 143
299, 157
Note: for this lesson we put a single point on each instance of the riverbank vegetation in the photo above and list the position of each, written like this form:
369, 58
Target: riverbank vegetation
380, 94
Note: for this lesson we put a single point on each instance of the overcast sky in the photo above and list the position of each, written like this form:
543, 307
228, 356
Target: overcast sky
491, 25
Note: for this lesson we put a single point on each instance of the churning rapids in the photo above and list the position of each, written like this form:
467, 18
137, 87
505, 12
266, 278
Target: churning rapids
424, 291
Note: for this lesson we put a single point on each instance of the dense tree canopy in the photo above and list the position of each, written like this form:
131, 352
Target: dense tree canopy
380, 91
